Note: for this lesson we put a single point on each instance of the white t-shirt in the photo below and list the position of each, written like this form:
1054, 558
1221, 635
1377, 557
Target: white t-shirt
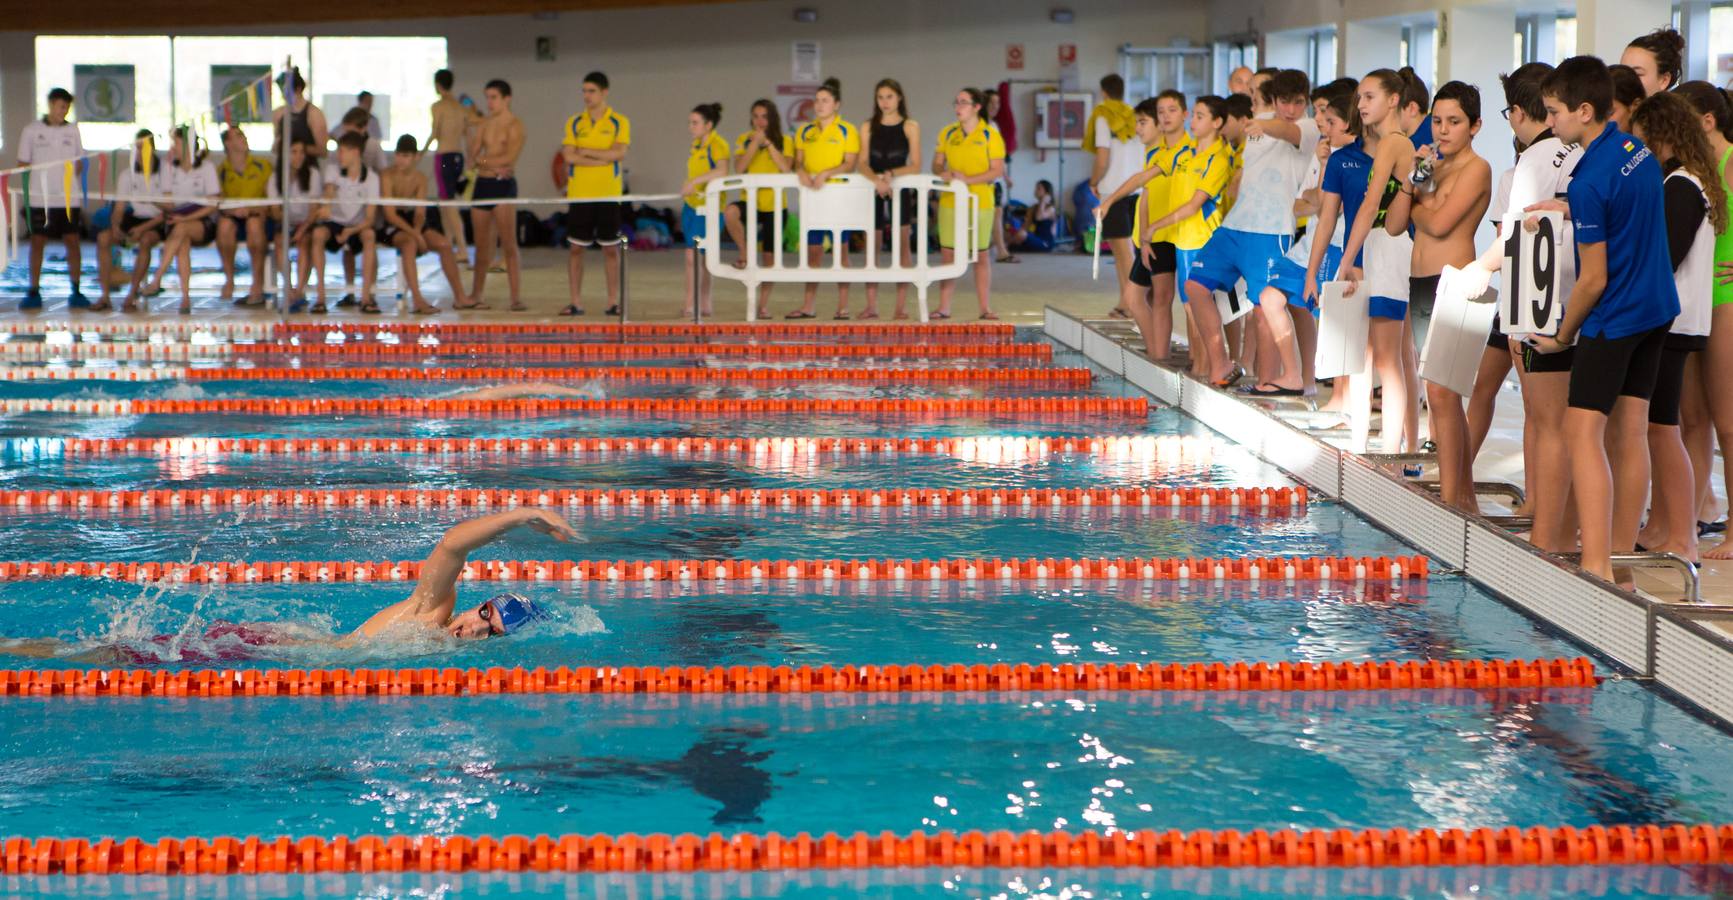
353, 195
1124, 158
1542, 172
45, 143
133, 183
1695, 275
298, 209
1301, 252
197, 186
1269, 179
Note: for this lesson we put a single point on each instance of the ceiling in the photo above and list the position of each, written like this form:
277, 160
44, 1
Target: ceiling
133, 14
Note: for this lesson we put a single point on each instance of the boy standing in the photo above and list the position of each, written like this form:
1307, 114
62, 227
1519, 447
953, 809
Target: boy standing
1618, 313
49, 213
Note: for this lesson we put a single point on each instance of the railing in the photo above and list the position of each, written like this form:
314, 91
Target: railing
843, 205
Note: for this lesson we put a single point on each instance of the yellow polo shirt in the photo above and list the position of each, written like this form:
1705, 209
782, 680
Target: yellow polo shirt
762, 164
1200, 170
600, 133
825, 146
1158, 193
971, 154
247, 184
708, 153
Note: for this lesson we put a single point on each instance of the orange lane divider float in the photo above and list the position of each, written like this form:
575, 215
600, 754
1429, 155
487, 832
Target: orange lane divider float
649, 406
1473, 674
993, 450
1538, 845
647, 329
206, 498
1316, 568
645, 374
1040, 352
139, 351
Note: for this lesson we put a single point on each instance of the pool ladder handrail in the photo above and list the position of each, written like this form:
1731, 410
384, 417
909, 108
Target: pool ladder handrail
1687, 570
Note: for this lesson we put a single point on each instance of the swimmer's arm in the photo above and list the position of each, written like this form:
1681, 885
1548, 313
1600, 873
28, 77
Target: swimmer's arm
1468, 198
436, 592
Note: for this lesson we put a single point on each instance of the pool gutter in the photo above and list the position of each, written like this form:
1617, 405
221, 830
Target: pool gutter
1651, 639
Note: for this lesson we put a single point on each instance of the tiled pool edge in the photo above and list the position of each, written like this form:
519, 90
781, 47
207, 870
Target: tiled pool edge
1686, 659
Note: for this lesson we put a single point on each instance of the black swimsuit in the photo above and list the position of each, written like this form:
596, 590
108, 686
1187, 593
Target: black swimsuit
888, 150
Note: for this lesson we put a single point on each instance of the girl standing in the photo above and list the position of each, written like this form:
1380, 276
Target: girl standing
827, 147
764, 150
970, 150
891, 137
708, 160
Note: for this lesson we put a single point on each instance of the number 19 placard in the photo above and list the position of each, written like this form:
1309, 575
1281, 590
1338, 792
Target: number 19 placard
1539, 271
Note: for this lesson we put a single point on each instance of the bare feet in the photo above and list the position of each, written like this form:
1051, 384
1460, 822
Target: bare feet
228, 290
1723, 550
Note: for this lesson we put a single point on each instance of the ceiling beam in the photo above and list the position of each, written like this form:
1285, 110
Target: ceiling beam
129, 15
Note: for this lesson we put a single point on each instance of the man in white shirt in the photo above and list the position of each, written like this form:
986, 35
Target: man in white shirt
49, 213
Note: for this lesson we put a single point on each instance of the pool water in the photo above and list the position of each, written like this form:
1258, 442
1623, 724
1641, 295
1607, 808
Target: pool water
1613, 754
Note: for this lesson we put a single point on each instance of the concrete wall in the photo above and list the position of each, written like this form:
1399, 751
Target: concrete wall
664, 60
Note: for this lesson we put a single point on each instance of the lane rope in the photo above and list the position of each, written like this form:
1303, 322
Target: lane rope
990, 450
656, 375
1127, 568
1044, 407
1386, 675
650, 329
1538, 845
1067, 378
724, 498
39, 351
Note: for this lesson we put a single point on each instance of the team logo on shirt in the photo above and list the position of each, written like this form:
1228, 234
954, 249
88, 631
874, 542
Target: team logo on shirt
1630, 146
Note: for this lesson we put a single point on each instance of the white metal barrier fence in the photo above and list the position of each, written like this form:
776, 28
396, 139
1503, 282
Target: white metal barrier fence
845, 204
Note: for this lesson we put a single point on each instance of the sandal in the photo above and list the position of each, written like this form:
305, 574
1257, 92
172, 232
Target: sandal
800, 314
99, 306
370, 307
1271, 390
1118, 314
868, 315
572, 309
1232, 378
318, 308
612, 310
346, 300
989, 316
840, 317
939, 315
476, 305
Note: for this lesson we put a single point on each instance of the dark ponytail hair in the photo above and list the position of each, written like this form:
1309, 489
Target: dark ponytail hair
832, 87
902, 102
189, 138
303, 175
712, 112
1627, 87
1414, 90
1709, 100
1668, 48
772, 122
979, 97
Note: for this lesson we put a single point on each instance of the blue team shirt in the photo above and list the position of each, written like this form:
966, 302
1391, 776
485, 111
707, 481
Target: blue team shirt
1345, 175
1422, 135
1616, 199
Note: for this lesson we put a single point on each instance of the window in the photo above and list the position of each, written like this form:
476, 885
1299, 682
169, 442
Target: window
173, 79
1564, 38
1230, 55
1321, 56
1720, 44
152, 64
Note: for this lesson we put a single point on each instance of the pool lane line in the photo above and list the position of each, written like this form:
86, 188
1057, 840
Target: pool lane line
191, 499
927, 332
1387, 675
1012, 449
266, 329
1122, 568
1537, 845
356, 349
1049, 377
1022, 407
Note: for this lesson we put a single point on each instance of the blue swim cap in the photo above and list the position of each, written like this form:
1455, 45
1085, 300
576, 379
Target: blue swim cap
516, 611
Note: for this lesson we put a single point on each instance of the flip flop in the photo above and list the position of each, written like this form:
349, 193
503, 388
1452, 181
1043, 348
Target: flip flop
612, 310
346, 300
1118, 313
1232, 378
939, 315
797, 314
1704, 529
476, 305
425, 310
370, 308
867, 316
989, 317
1272, 391
840, 317
572, 310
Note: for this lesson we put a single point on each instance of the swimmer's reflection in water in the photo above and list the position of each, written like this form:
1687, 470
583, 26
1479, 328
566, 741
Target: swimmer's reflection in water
430, 611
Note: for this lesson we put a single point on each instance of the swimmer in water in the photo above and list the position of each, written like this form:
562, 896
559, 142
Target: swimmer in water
530, 389
429, 609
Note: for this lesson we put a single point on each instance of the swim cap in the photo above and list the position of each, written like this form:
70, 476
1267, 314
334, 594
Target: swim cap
516, 611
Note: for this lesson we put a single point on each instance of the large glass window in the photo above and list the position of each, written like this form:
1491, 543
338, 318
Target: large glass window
1721, 44
195, 94
152, 72
1321, 56
1564, 38
402, 91
173, 79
